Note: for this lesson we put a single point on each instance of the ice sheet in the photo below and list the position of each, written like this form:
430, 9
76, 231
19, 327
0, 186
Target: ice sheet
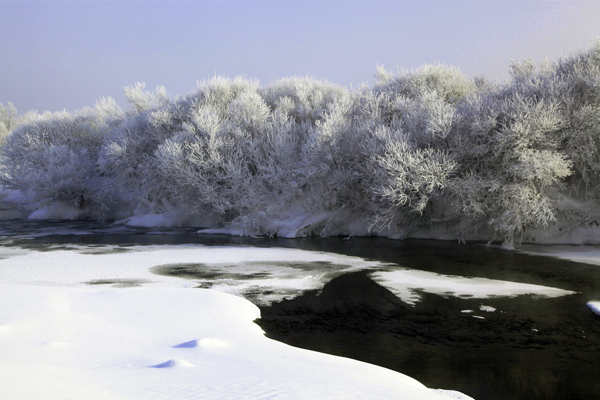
407, 283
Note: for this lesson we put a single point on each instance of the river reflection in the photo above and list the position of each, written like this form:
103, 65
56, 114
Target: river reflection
495, 348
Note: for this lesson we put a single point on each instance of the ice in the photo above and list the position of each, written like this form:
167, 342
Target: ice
274, 273
407, 283
579, 253
594, 306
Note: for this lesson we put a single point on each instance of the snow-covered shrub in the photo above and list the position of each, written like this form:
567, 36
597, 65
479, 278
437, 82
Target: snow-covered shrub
449, 82
363, 160
306, 98
141, 100
581, 98
52, 157
508, 148
418, 148
8, 120
424, 101
411, 178
582, 143
221, 152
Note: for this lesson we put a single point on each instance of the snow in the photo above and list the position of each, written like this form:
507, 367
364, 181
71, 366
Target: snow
56, 210
172, 219
61, 338
453, 394
282, 272
406, 284
241, 270
594, 306
582, 253
579, 253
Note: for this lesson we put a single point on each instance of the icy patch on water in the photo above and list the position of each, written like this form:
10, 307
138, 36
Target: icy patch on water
264, 282
579, 253
406, 284
263, 275
260, 274
594, 306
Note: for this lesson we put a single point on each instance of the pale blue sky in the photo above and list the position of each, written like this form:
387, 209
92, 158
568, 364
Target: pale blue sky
58, 55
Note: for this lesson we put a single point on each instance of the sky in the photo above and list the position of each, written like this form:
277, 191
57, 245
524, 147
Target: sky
68, 54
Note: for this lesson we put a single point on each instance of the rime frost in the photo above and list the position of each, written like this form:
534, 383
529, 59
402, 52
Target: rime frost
416, 153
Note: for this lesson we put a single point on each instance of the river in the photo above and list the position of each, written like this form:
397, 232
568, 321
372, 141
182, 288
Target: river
522, 347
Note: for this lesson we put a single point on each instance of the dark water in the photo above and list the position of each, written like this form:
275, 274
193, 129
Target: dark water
529, 348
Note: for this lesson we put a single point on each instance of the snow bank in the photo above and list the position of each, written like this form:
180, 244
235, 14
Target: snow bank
62, 339
171, 219
56, 211
155, 343
64, 333
8, 204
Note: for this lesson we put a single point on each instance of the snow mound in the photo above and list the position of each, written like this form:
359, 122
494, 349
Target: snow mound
186, 345
56, 210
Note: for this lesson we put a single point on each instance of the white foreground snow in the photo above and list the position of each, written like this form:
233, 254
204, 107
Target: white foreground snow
62, 339
160, 343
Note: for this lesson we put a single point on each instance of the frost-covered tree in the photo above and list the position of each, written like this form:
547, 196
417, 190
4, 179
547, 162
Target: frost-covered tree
8, 119
508, 148
306, 98
580, 96
52, 157
221, 151
418, 149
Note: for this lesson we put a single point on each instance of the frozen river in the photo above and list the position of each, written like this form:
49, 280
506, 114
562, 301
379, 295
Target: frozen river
490, 323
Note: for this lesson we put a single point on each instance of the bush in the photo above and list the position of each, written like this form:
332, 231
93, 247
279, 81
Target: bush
416, 149
52, 157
